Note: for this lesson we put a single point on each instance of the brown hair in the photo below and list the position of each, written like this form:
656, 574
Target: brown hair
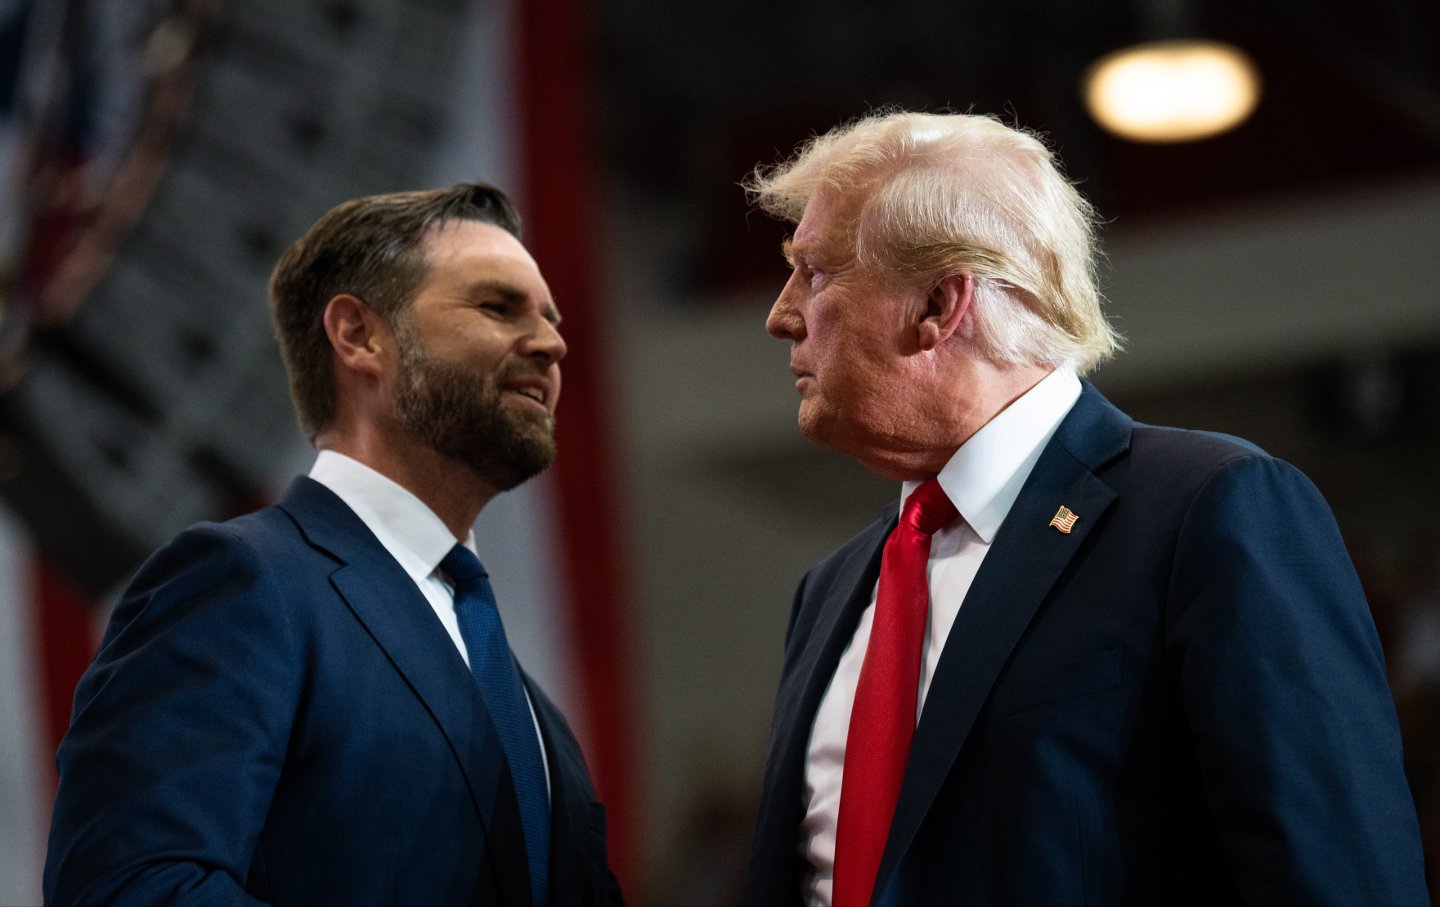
369, 248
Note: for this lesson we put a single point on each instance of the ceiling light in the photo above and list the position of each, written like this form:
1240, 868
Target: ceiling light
1172, 91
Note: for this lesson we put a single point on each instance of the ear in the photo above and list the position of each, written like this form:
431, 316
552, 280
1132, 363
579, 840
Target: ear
358, 336
945, 309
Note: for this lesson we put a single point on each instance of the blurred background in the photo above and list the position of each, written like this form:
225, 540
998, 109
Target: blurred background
1280, 281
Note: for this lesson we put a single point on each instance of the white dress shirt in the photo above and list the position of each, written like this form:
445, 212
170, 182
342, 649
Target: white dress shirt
413, 534
982, 480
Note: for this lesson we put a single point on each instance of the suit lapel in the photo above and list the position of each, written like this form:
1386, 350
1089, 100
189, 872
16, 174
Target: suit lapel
385, 601
834, 628
566, 823
805, 682
1025, 560
576, 833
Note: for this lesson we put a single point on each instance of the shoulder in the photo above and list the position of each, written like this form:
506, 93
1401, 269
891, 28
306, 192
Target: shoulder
1190, 485
1212, 462
251, 544
1132, 455
856, 552
219, 571
1234, 508
1191, 445
1186, 463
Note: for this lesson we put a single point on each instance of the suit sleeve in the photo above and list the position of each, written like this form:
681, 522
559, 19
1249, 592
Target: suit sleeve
178, 733
1283, 688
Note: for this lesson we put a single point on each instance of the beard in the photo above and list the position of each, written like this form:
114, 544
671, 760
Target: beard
462, 414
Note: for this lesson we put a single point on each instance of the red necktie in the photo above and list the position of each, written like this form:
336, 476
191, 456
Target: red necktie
882, 721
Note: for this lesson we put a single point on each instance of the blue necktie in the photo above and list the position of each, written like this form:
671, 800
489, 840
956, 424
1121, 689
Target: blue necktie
495, 670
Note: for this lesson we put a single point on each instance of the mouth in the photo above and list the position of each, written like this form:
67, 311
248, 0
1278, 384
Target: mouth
800, 375
534, 390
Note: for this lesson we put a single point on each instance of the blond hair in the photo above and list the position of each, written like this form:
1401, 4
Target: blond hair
947, 194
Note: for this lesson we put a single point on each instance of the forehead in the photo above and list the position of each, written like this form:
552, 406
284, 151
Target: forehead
468, 250
828, 225
470, 240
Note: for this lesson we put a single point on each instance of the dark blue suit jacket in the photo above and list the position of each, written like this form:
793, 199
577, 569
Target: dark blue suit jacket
1182, 701
277, 716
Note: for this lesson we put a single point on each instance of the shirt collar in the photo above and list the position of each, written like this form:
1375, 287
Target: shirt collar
409, 530
984, 477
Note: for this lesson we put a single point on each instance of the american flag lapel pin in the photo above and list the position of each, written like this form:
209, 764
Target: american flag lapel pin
1064, 519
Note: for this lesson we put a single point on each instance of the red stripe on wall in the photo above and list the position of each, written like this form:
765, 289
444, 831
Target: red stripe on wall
555, 150
63, 621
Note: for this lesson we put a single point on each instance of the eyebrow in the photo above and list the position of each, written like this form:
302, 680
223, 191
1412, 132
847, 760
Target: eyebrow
791, 250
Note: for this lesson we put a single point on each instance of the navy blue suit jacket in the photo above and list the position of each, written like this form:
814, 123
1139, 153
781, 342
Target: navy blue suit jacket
1181, 701
277, 716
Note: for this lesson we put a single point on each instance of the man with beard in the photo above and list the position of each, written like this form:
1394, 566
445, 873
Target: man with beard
316, 703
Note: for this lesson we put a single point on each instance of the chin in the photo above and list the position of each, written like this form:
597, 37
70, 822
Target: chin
850, 439
811, 426
822, 427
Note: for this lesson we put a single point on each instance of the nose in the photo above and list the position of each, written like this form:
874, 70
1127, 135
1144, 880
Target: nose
785, 321
544, 343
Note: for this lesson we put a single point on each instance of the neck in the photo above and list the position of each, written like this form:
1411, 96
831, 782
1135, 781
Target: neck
447, 486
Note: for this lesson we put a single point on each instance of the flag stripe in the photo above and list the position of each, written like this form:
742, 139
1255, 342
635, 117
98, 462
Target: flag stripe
64, 619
